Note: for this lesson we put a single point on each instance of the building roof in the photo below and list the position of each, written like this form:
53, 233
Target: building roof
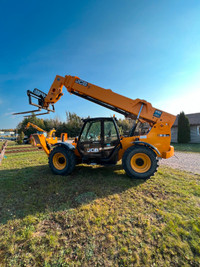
194, 119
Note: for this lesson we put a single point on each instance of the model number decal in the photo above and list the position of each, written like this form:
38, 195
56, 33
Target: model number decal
157, 113
81, 82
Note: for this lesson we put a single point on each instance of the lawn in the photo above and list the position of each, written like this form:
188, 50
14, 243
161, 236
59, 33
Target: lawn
187, 147
97, 216
10, 143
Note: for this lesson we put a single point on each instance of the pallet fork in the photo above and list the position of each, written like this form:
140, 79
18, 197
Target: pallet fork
39, 96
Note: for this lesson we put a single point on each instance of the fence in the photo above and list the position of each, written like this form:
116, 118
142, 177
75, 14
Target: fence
2, 151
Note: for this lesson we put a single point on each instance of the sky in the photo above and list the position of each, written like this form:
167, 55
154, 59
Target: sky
143, 49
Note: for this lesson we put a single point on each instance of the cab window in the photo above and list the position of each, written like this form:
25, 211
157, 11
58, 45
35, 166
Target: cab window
110, 132
91, 132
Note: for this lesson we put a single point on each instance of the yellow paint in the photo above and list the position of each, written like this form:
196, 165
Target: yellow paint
140, 163
161, 122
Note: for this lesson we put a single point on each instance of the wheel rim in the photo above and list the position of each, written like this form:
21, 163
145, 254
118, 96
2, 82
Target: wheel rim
59, 161
140, 162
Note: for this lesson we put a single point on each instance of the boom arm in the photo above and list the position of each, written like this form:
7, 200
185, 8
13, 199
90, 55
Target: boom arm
49, 135
107, 98
34, 126
136, 109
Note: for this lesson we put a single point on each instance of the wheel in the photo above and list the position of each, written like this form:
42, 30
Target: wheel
139, 162
62, 161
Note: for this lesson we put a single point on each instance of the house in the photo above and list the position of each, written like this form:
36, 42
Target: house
2, 133
194, 121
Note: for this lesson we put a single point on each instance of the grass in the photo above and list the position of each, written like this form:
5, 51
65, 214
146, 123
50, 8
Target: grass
10, 143
96, 216
187, 147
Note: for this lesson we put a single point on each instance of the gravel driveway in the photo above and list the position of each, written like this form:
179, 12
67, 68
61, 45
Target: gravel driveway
183, 161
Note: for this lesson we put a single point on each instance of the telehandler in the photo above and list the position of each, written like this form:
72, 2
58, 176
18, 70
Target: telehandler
99, 140
50, 137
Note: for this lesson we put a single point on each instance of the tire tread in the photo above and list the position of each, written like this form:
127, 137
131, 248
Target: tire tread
70, 158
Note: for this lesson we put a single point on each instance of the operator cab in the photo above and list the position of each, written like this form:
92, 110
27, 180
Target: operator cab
99, 141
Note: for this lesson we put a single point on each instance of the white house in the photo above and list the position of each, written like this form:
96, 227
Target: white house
194, 121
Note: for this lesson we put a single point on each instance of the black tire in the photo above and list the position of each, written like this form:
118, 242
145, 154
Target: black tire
62, 161
139, 162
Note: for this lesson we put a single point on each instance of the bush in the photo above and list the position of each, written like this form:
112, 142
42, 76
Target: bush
183, 129
20, 138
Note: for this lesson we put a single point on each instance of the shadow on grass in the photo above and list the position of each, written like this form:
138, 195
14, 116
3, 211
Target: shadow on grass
32, 190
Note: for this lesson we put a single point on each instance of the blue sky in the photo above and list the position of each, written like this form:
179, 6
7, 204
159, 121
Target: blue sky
141, 49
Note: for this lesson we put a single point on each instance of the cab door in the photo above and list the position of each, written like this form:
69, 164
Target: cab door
90, 141
110, 137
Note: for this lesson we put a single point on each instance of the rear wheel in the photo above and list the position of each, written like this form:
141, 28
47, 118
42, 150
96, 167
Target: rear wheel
62, 161
139, 162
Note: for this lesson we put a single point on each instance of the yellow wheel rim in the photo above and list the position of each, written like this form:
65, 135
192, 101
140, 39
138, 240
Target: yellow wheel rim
59, 161
140, 162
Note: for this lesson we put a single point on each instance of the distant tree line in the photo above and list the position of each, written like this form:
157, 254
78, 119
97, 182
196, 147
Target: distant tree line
72, 126
7, 130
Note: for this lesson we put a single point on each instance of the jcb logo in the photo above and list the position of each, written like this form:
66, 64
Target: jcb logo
93, 150
81, 82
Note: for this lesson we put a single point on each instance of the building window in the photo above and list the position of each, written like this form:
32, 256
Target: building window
198, 130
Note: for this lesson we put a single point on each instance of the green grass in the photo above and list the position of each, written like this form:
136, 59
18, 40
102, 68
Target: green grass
97, 216
10, 143
187, 147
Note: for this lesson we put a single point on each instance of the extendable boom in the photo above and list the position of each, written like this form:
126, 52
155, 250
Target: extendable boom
107, 98
135, 109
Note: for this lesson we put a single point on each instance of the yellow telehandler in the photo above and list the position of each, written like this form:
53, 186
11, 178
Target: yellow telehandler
99, 140
50, 137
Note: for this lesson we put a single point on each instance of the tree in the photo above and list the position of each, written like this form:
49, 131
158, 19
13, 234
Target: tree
124, 126
49, 124
21, 127
74, 124
183, 128
62, 128
20, 138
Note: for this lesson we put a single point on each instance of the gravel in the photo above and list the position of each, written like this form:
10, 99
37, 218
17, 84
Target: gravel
183, 161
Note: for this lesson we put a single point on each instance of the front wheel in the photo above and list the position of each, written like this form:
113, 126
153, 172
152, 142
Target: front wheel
139, 162
62, 161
